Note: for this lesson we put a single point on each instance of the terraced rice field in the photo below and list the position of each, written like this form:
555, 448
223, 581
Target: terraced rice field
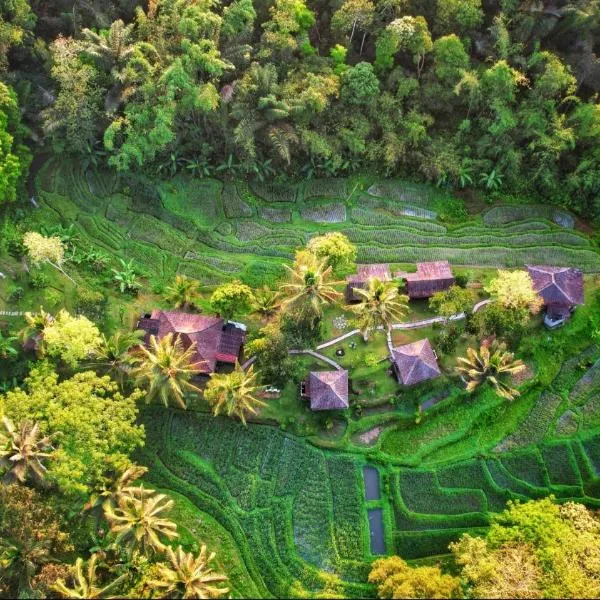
236, 230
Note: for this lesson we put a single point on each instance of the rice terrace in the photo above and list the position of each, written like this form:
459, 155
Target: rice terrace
299, 299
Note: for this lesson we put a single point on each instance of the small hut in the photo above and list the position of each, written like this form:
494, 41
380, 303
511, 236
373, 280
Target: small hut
216, 341
361, 279
414, 363
326, 390
431, 277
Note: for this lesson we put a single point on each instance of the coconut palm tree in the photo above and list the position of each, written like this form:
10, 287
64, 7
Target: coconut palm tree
182, 292
381, 305
115, 488
22, 451
114, 354
138, 520
85, 582
165, 369
265, 302
189, 576
490, 364
309, 285
233, 393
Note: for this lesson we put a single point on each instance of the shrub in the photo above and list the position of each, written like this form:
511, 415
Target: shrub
90, 303
38, 279
16, 293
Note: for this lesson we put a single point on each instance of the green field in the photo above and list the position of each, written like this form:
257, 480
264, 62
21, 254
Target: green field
283, 500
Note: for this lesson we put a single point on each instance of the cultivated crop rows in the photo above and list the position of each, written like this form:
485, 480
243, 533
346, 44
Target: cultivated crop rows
243, 230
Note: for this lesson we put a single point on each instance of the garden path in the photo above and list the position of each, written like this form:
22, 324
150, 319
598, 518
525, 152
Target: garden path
409, 325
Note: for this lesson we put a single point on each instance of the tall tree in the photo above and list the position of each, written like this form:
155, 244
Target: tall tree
189, 576
309, 286
86, 582
23, 450
234, 394
491, 364
381, 305
138, 521
165, 370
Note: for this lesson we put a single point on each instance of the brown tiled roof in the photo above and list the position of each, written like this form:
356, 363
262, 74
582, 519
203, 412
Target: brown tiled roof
416, 362
366, 272
429, 271
557, 285
327, 390
215, 341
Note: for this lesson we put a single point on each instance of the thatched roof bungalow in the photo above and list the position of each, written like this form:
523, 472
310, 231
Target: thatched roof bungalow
414, 363
326, 390
430, 277
216, 341
361, 279
561, 288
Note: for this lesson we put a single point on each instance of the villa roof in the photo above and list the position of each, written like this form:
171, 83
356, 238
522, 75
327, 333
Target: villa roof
557, 285
429, 271
415, 362
327, 390
366, 272
216, 341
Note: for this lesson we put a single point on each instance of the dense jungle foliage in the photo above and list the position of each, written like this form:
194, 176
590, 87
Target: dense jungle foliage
499, 94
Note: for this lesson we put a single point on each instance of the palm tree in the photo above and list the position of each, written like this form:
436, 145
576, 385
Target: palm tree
490, 364
309, 284
85, 582
138, 520
7, 348
265, 302
190, 577
116, 488
22, 451
112, 51
381, 305
33, 332
233, 393
182, 292
166, 368
114, 353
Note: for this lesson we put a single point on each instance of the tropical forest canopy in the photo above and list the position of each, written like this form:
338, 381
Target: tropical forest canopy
500, 94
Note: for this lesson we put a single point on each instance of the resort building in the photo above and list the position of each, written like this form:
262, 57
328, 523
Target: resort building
414, 363
361, 279
561, 288
326, 390
216, 341
430, 277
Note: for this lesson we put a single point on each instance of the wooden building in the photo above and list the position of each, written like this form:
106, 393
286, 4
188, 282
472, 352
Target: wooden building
326, 390
414, 363
216, 341
430, 277
361, 279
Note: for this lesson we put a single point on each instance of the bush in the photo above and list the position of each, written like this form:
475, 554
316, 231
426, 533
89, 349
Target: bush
16, 294
38, 279
90, 303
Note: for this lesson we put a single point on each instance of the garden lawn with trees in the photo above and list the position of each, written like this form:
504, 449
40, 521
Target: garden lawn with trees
299, 299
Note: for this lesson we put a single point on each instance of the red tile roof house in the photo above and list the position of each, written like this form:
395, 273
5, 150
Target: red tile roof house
431, 277
414, 363
561, 288
217, 342
326, 390
361, 279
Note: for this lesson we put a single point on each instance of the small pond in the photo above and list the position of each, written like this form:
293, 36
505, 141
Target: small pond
376, 527
371, 475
